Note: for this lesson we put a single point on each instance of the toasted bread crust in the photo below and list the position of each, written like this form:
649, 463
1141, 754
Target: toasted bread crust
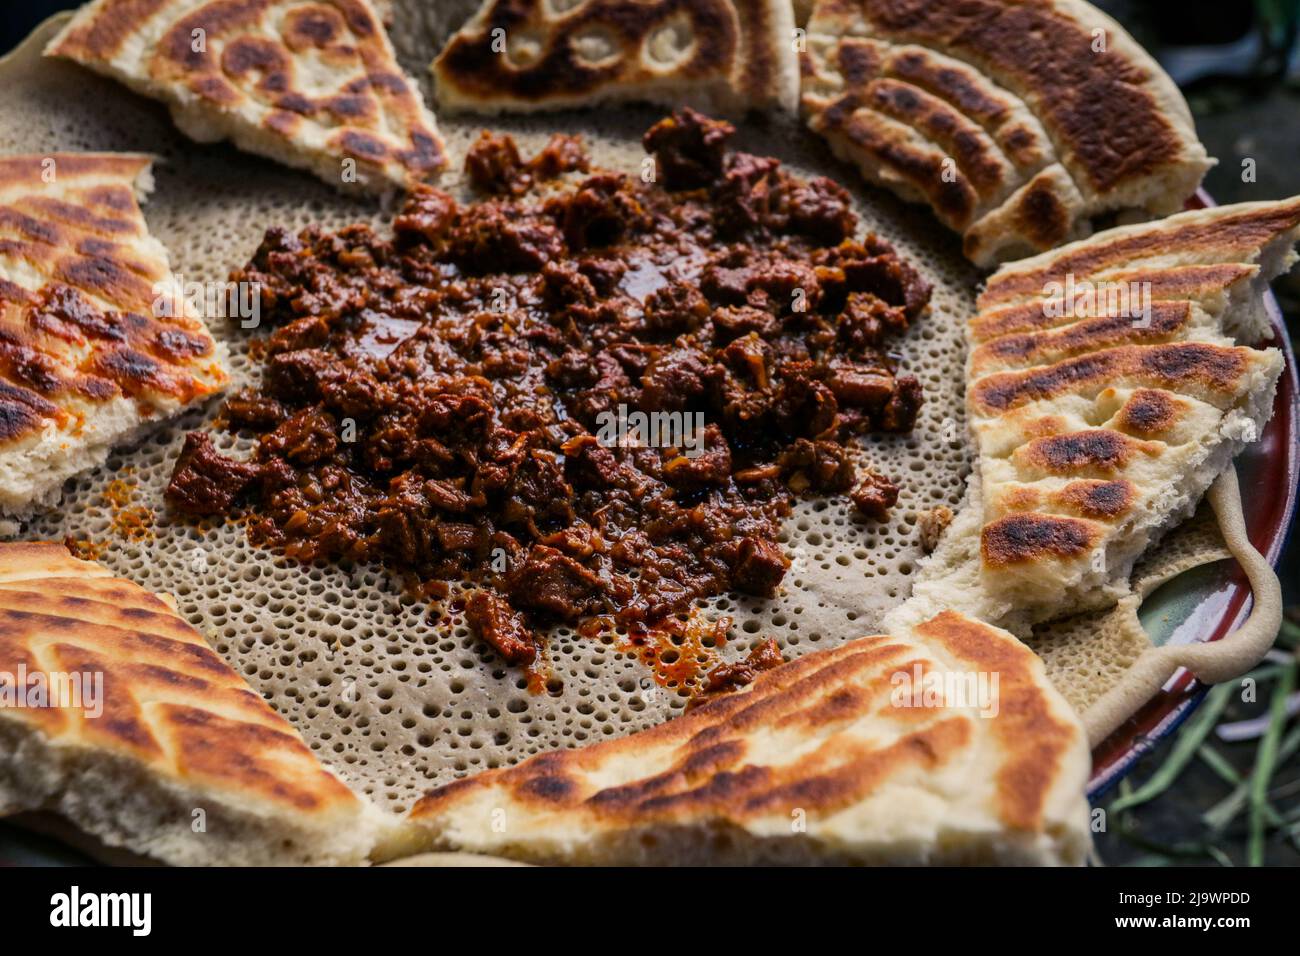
1036, 738
471, 63
1182, 284
72, 216
1229, 237
88, 315
249, 66
958, 84
1150, 413
1031, 537
1045, 55
735, 47
1179, 365
1106, 391
1164, 321
893, 146
1002, 116
1095, 450
1097, 499
169, 701
709, 767
1041, 214
963, 140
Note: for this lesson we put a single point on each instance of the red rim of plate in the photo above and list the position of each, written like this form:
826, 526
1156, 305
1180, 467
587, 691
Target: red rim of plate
1276, 461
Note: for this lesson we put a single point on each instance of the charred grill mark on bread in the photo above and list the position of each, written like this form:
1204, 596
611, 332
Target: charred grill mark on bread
95, 333
941, 104
823, 733
249, 78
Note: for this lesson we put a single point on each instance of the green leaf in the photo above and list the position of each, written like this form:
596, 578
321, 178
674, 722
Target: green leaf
1226, 810
1220, 765
1184, 749
1265, 764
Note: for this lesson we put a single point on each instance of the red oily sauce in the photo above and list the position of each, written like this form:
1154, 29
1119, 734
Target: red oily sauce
455, 400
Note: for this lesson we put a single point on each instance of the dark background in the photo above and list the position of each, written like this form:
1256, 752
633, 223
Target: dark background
1238, 64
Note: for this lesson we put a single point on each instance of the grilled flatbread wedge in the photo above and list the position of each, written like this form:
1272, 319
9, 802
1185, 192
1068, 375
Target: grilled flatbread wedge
312, 85
832, 758
95, 337
1105, 393
1016, 122
144, 737
722, 56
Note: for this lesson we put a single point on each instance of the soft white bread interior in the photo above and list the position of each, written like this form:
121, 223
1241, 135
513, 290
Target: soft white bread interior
1105, 393
721, 56
99, 342
940, 743
313, 86
121, 719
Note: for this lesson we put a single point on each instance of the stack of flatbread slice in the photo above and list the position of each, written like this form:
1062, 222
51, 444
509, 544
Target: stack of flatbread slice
312, 85
943, 743
1015, 122
115, 714
723, 56
1105, 394
95, 336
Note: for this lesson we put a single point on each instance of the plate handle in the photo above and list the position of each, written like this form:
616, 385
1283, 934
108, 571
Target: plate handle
1210, 662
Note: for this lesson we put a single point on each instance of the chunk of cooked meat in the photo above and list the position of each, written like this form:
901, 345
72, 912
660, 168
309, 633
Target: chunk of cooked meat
726, 678
899, 413
931, 524
426, 218
493, 164
819, 465
259, 413
689, 148
554, 583
760, 566
497, 623
206, 482
709, 465
874, 496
